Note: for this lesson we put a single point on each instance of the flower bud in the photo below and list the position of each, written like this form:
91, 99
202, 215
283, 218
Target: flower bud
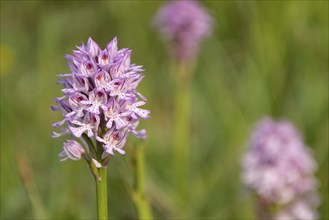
71, 150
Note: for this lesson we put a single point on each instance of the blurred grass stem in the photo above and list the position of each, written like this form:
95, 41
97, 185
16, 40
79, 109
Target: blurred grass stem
101, 189
181, 128
30, 186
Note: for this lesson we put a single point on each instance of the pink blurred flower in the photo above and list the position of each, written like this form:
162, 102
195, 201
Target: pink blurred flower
279, 168
184, 24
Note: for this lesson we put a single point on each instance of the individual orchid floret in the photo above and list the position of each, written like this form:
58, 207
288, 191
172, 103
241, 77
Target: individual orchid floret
71, 150
279, 168
184, 24
114, 140
100, 103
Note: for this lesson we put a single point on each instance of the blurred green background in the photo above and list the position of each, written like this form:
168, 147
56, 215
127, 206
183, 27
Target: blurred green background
264, 58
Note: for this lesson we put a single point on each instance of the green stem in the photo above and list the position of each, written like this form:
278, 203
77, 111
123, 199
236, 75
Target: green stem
101, 189
182, 130
139, 196
143, 208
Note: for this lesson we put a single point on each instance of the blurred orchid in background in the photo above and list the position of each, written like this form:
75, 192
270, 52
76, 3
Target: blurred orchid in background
279, 168
183, 24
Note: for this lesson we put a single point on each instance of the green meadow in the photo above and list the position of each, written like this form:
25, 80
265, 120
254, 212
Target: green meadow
264, 58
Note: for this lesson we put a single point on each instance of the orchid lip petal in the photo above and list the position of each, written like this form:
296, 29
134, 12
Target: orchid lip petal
64, 75
109, 150
120, 150
77, 131
55, 134
59, 123
100, 139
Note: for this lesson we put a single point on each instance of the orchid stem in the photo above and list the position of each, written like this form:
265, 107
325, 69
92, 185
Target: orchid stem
101, 189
